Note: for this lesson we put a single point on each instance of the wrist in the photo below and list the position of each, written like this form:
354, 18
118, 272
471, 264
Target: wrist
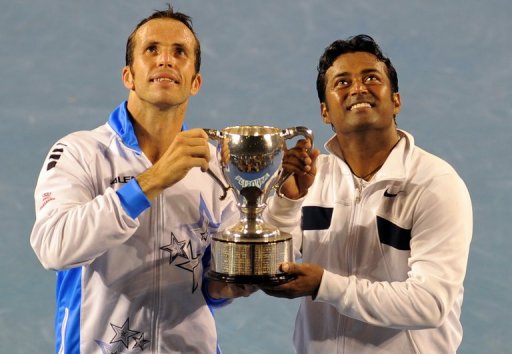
149, 184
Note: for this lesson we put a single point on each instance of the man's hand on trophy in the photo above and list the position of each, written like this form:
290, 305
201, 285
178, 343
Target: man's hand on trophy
221, 290
301, 164
306, 282
188, 150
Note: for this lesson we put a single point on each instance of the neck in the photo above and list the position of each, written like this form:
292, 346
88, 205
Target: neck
155, 128
366, 153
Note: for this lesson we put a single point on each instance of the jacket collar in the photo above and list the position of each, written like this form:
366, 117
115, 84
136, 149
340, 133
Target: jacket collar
395, 166
120, 121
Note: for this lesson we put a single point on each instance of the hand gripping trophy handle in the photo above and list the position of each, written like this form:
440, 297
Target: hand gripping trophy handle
290, 133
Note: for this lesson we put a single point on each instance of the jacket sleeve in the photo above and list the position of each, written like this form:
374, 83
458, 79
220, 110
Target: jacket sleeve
440, 239
285, 214
74, 222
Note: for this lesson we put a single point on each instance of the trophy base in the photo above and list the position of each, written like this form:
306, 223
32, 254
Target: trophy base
275, 279
250, 260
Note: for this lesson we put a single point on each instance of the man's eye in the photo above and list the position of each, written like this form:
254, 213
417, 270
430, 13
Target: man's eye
341, 83
151, 49
371, 78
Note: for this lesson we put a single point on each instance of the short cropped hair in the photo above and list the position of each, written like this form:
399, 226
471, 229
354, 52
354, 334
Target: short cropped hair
169, 13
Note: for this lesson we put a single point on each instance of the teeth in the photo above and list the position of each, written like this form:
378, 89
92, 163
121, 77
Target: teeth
360, 105
160, 79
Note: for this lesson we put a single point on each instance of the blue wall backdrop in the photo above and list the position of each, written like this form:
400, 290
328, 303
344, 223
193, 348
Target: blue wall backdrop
61, 68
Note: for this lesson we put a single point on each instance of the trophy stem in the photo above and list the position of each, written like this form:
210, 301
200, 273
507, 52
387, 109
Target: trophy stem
252, 223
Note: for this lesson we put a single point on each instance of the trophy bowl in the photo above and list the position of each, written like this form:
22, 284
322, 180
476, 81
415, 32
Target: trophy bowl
250, 157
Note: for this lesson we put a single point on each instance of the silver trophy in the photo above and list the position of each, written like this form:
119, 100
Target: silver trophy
250, 251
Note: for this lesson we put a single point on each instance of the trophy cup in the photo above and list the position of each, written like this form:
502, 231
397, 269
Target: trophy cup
250, 251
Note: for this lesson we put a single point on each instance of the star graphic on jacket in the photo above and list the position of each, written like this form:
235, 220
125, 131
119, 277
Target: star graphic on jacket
140, 342
175, 248
204, 224
108, 349
123, 333
192, 266
203, 230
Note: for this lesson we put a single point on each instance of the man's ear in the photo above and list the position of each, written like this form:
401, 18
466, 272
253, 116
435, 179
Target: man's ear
196, 84
396, 103
127, 77
324, 112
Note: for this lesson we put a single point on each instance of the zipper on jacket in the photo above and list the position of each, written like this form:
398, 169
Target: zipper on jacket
359, 185
340, 344
359, 191
349, 259
156, 220
352, 238
349, 255
354, 215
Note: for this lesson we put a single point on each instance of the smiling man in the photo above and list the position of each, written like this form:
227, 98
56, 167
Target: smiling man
386, 226
124, 213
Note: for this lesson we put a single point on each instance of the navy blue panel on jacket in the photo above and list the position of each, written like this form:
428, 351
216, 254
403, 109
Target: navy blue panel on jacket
393, 235
316, 218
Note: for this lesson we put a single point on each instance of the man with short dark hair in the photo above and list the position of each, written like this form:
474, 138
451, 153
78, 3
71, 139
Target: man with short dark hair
385, 228
125, 212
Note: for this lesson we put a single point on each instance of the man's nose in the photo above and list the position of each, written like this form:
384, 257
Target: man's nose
165, 58
358, 87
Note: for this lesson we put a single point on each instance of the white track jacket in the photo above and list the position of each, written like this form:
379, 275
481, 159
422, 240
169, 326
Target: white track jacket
394, 251
130, 272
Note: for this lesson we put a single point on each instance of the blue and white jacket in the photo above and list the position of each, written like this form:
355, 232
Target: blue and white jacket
394, 250
130, 272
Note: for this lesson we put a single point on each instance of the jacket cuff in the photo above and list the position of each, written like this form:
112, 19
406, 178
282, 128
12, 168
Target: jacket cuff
284, 209
332, 288
213, 302
133, 200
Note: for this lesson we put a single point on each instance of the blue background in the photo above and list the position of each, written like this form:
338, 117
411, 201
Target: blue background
61, 71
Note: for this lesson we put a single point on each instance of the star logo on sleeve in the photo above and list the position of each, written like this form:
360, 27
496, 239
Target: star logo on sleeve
192, 265
123, 333
175, 248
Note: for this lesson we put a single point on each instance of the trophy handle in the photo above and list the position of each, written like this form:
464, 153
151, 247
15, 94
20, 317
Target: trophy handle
289, 133
215, 134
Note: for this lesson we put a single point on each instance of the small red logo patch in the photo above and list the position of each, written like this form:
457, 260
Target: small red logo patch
47, 197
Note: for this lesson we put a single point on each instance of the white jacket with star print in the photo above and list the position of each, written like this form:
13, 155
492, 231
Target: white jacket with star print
129, 273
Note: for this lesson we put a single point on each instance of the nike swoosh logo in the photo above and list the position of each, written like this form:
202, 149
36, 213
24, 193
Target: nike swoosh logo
390, 195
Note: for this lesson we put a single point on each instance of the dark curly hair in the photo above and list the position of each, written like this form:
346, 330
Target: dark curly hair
359, 43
